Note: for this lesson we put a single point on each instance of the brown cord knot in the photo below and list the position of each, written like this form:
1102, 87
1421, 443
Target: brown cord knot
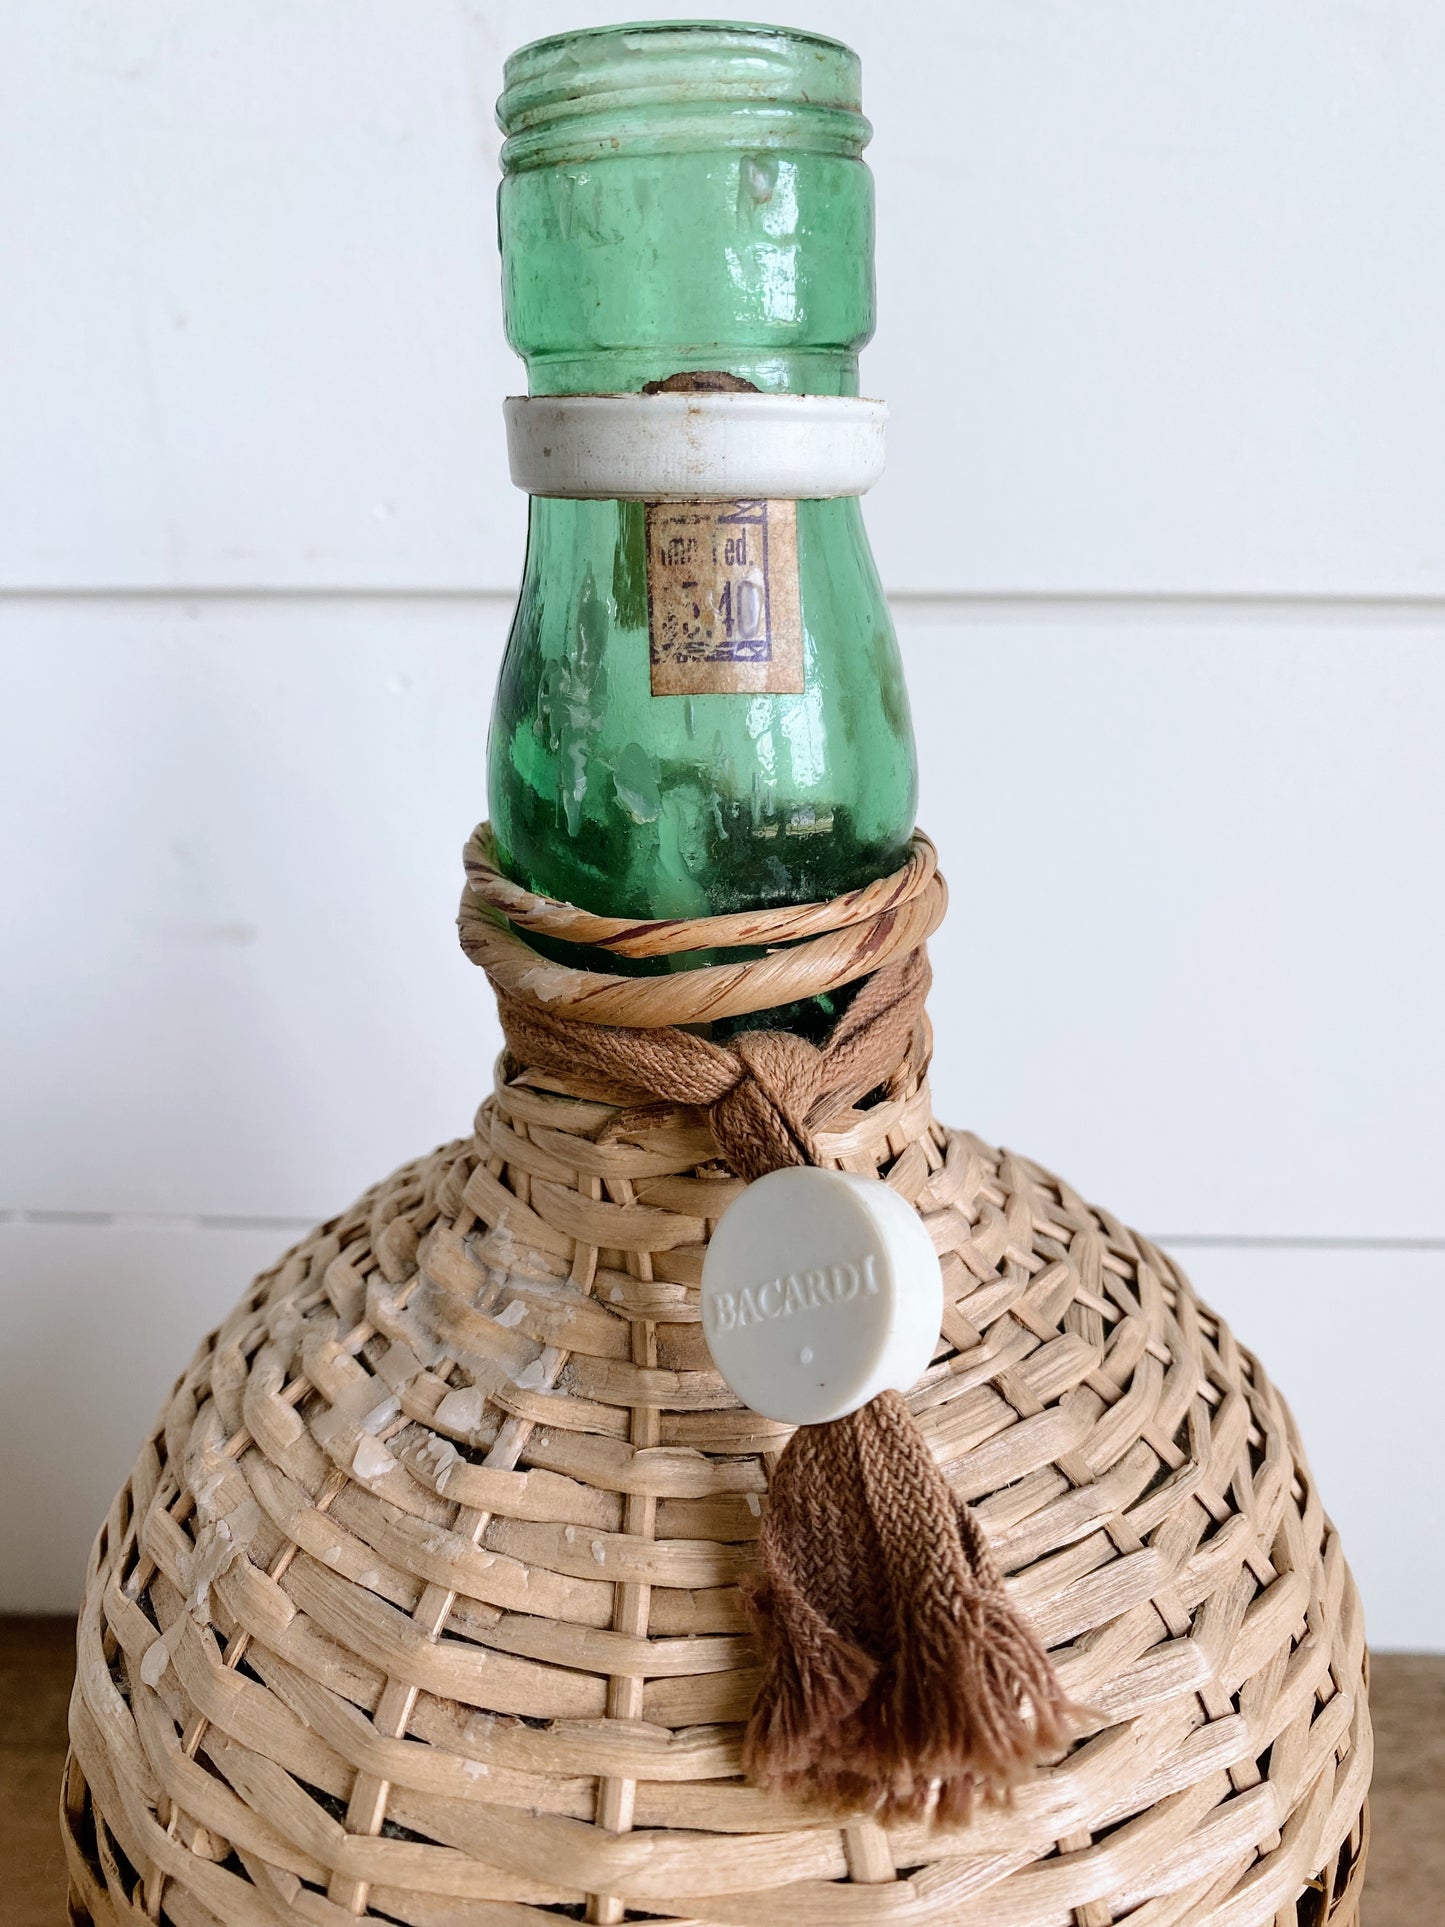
761, 1124
767, 1093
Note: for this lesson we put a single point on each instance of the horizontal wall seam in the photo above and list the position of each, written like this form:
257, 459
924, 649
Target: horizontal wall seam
945, 603
246, 1221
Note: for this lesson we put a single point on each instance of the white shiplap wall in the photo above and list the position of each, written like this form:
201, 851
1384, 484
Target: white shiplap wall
1161, 305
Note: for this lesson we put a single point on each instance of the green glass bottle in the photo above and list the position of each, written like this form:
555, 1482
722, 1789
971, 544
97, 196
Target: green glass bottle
680, 204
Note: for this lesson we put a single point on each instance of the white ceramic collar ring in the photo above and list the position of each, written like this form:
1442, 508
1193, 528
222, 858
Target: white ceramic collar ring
695, 447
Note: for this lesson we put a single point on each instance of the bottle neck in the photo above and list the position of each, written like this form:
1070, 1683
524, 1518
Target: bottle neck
628, 270
701, 707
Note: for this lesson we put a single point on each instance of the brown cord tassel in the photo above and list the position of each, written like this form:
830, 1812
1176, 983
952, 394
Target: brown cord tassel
895, 1663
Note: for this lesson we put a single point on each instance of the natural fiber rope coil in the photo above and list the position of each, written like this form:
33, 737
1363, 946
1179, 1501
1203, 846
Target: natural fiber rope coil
421, 1601
811, 948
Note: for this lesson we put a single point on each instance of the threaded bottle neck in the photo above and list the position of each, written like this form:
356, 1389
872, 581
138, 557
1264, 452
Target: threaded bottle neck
678, 86
686, 196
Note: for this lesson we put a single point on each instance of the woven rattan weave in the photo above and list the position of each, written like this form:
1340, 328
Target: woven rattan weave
420, 1602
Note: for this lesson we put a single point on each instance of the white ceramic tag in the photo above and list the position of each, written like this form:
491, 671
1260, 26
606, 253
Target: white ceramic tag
820, 1289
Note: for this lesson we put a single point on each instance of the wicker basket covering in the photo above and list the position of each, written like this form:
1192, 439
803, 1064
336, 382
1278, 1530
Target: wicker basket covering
420, 1602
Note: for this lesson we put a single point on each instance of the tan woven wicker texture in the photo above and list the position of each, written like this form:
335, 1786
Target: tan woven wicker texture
420, 1603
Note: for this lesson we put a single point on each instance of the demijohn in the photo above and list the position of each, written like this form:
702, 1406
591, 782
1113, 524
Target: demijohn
456, 1586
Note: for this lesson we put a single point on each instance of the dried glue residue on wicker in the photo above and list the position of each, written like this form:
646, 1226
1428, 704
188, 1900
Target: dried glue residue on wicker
421, 1603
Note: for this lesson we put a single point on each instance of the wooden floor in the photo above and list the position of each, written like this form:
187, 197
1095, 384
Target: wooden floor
1407, 1852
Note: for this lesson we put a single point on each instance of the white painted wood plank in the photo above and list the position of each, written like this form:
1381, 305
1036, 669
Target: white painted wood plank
1161, 294
1191, 960
99, 1322
1173, 261
257, 339
1192, 953
1354, 1339
236, 985
100, 1318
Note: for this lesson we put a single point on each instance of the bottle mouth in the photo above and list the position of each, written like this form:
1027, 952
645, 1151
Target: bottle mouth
678, 86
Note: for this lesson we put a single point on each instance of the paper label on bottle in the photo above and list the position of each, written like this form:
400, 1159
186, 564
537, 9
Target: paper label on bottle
723, 610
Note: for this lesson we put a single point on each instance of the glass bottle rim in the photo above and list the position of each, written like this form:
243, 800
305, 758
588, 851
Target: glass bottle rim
679, 85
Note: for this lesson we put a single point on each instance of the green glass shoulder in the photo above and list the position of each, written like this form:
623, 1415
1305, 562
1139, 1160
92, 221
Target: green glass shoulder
616, 799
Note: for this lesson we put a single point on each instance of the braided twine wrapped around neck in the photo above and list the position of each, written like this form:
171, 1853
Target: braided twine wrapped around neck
899, 1678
